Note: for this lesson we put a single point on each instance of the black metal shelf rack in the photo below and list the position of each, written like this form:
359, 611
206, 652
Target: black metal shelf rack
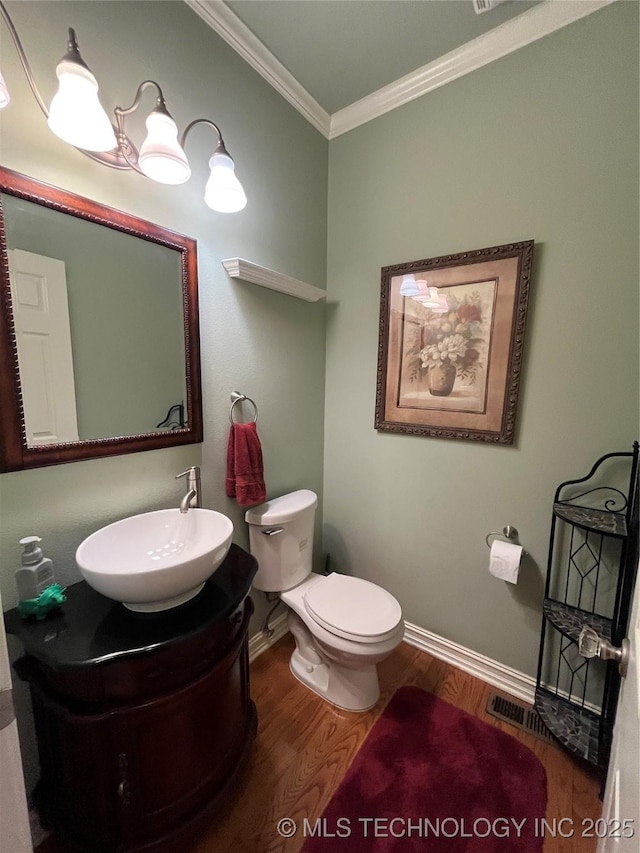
593, 558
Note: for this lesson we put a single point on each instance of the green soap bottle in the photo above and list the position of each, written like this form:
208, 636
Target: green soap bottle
36, 573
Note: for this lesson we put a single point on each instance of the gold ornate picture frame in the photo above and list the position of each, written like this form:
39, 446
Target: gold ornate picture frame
451, 343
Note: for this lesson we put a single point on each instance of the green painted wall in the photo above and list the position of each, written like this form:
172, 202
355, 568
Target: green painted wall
266, 345
541, 145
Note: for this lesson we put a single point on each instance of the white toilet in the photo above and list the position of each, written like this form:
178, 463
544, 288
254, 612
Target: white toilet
343, 626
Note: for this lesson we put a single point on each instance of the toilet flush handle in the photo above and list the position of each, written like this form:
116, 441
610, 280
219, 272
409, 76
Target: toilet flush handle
271, 531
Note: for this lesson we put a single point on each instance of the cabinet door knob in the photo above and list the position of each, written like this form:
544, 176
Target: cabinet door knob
124, 794
592, 645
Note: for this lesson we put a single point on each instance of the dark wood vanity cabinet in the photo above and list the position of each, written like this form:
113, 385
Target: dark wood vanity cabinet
139, 750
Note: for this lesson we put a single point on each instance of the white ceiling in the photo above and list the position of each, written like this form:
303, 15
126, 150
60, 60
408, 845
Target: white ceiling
343, 62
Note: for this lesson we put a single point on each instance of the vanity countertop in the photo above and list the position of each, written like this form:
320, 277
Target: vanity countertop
90, 629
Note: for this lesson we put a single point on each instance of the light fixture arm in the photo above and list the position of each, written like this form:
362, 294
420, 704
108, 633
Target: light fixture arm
120, 112
125, 145
220, 148
223, 192
22, 56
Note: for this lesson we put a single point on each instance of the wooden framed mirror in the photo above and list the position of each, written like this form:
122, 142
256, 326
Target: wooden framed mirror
99, 330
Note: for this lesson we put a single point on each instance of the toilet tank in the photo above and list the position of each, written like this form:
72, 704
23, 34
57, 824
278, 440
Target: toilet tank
281, 540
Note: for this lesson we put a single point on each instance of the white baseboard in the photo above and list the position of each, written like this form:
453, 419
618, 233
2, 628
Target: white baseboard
486, 669
259, 643
490, 671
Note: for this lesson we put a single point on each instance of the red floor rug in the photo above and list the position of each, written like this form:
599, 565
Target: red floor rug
430, 777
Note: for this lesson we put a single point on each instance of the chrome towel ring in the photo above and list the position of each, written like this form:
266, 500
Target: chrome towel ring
239, 398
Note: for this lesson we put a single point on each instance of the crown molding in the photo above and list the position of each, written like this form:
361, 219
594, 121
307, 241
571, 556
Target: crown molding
534, 24
227, 24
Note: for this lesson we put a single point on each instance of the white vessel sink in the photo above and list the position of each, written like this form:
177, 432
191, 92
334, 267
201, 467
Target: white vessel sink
156, 560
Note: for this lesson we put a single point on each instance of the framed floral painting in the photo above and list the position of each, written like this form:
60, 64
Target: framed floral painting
451, 343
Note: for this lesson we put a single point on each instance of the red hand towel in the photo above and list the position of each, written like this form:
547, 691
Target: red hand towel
245, 471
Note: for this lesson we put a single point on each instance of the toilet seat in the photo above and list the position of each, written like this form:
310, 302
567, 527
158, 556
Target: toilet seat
353, 608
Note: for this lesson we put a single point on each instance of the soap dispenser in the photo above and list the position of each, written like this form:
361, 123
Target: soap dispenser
36, 573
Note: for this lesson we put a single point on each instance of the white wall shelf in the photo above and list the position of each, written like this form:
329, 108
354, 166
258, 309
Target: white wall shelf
255, 274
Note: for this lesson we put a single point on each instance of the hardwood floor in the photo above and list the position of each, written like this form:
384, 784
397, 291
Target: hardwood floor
304, 747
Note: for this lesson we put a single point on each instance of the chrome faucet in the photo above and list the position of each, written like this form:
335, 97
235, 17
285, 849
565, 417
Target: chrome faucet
192, 497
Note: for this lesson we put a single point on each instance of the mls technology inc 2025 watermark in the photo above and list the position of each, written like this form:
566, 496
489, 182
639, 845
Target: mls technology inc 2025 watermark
454, 827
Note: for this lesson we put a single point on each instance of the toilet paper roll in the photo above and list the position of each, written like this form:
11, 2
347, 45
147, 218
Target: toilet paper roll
504, 561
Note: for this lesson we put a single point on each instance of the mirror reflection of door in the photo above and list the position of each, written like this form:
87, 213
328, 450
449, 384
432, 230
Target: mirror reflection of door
126, 320
41, 317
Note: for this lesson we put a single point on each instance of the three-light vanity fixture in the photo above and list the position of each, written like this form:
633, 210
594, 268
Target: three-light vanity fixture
76, 116
427, 296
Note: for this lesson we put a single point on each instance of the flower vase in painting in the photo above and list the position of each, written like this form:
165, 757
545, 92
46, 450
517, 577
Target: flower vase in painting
445, 354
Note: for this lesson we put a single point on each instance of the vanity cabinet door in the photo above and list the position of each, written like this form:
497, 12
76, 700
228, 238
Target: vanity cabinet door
177, 753
78, 775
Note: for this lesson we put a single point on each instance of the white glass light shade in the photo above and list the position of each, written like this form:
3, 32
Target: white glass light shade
408, 286
443, 306
224, 191
5, 97
76, 115
161, 158
427, 296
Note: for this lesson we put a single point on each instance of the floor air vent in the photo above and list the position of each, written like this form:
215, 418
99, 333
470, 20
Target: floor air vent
518, 714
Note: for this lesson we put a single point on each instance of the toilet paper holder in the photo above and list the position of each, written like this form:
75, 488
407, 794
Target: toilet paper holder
509, 532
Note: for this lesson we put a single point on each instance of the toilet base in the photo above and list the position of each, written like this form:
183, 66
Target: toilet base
348, 689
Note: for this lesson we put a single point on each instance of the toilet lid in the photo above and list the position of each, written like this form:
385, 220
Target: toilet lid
352, 607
